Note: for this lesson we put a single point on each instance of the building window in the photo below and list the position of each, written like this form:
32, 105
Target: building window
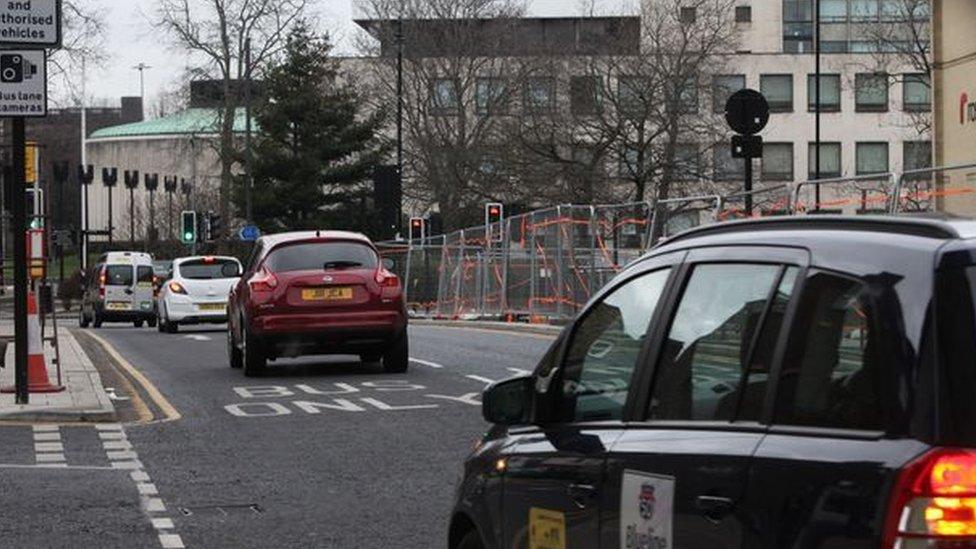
633, 95
777, 162
725, 166
743, 14
833, 10
871, 92
688, 15
829, 92
864, 46
916, 93
723, 86
829, 160
864, 10
491, 96
797, 26
917, 155
871, 158
833, 46
687, 162
688, 96
585, 95
445, 98
540, 95
778, 91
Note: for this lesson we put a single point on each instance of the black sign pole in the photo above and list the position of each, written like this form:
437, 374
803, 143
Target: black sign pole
18, 232
748, 186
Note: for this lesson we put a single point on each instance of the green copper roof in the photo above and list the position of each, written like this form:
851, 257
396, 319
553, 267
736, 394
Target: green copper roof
190, 121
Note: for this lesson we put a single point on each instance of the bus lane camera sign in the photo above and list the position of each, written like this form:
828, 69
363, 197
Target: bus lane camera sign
30, 23
23, 83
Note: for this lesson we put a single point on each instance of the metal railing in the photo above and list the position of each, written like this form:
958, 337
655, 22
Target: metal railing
547, 263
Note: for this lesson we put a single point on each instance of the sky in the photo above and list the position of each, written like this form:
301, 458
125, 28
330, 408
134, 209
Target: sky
131, 39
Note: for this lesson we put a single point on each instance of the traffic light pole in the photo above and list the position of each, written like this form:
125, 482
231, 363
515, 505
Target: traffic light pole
18, 230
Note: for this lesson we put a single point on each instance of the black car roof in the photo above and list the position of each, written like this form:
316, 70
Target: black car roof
943, 227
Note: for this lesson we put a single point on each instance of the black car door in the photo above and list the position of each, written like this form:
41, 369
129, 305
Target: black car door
554, 470
839, 433
676, 476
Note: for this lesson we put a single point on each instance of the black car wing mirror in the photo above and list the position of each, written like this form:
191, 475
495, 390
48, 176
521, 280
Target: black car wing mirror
508, 402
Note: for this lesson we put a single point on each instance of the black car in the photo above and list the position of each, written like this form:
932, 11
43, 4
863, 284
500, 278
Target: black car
791, 382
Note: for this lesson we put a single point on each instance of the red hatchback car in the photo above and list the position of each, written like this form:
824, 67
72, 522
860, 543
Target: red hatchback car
312, 293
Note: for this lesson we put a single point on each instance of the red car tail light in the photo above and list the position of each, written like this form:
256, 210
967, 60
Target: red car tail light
387, 279
934, 500
263, 281
177, 288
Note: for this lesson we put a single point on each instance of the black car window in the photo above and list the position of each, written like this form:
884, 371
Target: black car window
830, 375
310, 256
601, 356
704, 357
118, 275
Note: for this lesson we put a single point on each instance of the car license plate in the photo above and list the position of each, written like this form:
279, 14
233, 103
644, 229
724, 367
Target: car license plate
212, 306
327, 294
117, 305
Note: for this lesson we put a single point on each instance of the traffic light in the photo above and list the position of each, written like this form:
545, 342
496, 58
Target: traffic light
188, 227
213, 222
494, 214
417, 228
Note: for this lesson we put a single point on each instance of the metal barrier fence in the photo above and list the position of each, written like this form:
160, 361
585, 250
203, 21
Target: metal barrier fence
547, 263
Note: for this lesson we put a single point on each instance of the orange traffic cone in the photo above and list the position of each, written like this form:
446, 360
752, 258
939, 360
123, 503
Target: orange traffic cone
37, 380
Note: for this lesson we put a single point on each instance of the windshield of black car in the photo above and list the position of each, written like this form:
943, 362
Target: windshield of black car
201, 269
309, 256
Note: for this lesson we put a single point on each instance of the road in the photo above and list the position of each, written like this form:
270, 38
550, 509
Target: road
317, 453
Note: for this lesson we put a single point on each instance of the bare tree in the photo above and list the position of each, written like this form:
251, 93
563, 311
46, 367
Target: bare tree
457, 89
82, 48
218, 32
902, 50
645, 115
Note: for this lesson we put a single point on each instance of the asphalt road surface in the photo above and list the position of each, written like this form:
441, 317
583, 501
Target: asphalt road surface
320, 452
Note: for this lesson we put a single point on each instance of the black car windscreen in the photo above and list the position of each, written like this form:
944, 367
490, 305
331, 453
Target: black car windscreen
310, 256
200, 269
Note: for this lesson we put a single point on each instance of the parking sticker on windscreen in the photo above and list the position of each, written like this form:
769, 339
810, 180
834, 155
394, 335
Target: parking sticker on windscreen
646, 511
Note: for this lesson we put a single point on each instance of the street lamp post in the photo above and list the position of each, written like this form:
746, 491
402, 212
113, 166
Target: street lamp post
816, 100
142, 67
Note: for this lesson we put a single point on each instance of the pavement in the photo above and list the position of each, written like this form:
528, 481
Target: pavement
84, 397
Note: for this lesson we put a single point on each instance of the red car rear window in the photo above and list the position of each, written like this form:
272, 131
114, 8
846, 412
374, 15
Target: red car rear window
310, 256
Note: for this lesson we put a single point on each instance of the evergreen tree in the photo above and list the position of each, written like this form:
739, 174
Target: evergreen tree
316, 148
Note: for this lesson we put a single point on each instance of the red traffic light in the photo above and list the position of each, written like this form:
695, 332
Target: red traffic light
494, 210
417, 223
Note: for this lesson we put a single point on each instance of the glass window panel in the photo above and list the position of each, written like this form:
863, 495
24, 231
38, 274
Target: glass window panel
743, 14
864, 9
797, 10
633, 94
687, 161
831, 375
916, 92
893, 9
723, 86
491, 95
833, 46
829, 160
445, 94
708, 342
833, 10
778, 91
829, 92
602, 354
585, 94
777, 161
917, 155
871, 92
540, 94
871, 158
864, 46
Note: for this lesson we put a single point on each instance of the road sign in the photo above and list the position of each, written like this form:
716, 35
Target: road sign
30, 163
23, 83
31, 23
747, 112
249, 233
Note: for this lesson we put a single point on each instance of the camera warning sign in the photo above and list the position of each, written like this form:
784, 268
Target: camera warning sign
30, 23
23, 83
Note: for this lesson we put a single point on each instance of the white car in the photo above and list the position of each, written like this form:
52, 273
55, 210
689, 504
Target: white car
195, 291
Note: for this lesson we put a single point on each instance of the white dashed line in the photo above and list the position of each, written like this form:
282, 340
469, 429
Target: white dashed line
48, 449
122, 456
197, 337
426, 363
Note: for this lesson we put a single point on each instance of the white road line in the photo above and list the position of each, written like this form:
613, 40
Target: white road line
46, 428
48, 447
427, 363
519, 371
122, 456
197, 337
484, 380
58, 466
40, 437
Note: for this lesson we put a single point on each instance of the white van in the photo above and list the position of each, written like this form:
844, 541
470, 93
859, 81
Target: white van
119, 288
